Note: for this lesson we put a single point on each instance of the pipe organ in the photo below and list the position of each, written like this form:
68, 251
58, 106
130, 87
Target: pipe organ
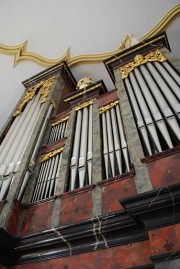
58, 130
48, 175
97, 165
153, 89
50, 163
115, 151
15, 142
81, 158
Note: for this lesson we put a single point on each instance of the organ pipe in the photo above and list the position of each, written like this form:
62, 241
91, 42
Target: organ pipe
115, 152
153, 89
81, 160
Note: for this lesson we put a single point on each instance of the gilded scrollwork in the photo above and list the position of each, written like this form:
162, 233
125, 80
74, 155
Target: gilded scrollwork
81, 106
51, 154
155, 56
45, 89
107, 107
60, 121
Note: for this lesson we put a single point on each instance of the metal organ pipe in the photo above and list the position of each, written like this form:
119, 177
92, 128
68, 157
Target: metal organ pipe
81, 161
145, 112
166, 90
172, 72
169, 80
75, 153
140, 121
116, 140
58, 132
110, 143
46, 181
12, 138
153, 108
89, 153
114, 146
105, 145
13, 153
165, 109
41, 134
122, 138
83, 147
28, 172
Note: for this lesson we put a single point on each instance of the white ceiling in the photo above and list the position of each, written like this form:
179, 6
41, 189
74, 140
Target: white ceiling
87, 27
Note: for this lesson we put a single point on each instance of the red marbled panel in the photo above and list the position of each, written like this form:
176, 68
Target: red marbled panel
121, 257
108, 98
115, 190
165, 171
76, 207
37, 218
165, 239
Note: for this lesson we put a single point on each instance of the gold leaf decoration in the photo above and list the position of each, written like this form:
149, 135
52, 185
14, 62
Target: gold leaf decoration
46, 87
139, 60
60, 121
51, 154
88, 103
107, 107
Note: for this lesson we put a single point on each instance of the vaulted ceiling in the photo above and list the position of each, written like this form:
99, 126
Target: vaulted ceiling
38, 33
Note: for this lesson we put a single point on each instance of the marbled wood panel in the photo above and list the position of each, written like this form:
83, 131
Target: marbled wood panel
37, 218
115, 190
108, 98
62, 106
75, 207
121, 257
165, 171
165, 239
14, 218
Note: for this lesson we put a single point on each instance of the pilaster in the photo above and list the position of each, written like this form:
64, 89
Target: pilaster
97, 162
142, 179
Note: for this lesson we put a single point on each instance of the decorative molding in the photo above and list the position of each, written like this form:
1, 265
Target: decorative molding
139, 60
107, 107
88, 103
83, 92
20, 53
45, 89
60, 121
51, 154
164, 23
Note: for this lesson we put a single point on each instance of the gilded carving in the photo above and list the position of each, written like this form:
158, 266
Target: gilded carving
46, 87
60, 121
88, 103
51, 154
139, 60
84, 82
107, 107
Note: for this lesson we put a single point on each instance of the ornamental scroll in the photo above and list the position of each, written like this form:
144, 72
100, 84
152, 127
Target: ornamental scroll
107, 107
44, 91
88, 103
155, 56
51, 154
60, 121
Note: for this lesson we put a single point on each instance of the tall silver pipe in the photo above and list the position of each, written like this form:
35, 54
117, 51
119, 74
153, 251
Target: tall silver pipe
83, 148
75, 154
